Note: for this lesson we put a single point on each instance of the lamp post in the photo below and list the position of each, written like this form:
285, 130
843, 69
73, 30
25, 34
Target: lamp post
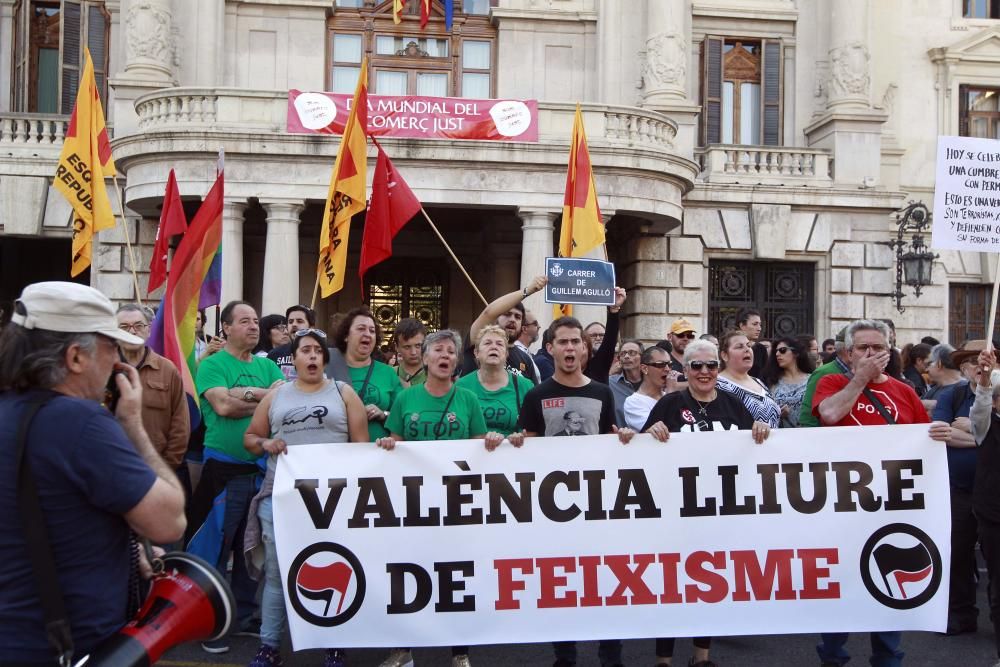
914, 260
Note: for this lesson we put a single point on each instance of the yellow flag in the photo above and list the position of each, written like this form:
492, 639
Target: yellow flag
397, 10
84, 163
347, 191
582, 228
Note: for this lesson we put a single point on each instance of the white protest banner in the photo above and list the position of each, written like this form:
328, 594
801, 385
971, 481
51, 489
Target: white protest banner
967, 195
442, 543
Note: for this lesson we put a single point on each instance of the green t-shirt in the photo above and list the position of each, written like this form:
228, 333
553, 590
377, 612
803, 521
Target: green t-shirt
222, 369
382, 389
500, 407
806, 416
419, 377
416, 415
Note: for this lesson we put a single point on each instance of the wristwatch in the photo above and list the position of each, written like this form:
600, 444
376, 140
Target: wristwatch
248, 396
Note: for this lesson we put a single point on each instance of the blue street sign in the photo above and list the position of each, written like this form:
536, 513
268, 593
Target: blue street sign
580, 281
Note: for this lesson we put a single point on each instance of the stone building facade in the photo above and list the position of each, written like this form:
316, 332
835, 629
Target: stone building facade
745, 151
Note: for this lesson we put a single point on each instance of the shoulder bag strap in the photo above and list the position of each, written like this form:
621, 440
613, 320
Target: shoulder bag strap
878, 406
36, 536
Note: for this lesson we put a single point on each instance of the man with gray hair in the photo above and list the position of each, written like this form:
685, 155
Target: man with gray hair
95, 472
866, 397
164, 406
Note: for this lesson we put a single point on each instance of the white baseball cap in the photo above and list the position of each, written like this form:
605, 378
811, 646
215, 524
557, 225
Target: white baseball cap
69, 308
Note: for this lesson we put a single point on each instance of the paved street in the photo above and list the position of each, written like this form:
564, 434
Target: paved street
923, 649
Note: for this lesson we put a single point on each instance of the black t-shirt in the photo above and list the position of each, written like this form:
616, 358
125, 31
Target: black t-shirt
759, 360
677, 366
282, 355
680, 412
553, 409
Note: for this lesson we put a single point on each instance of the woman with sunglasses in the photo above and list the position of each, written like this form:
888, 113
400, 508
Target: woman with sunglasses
786, 372
737, 354
438, 409
500, 392
699, 407
356, 340
308, 410
657, 380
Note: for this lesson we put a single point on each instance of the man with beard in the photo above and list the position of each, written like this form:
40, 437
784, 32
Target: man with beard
570, 404
231, 383
507, 312
297, 318
681, 333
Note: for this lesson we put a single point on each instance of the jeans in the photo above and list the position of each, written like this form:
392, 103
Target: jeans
239, 492
885, 649
273, 615
609, 652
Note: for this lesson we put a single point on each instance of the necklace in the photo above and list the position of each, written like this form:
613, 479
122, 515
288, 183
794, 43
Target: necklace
702, 407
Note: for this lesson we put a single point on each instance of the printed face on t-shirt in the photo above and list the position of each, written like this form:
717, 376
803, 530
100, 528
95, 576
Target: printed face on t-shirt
571, 415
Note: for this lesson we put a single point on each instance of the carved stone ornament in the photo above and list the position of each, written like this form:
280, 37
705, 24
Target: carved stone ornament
147, 28
666, 62
849, 71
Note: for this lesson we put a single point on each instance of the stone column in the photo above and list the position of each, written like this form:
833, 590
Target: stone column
210, 22
537, 243
149, 46
281, 256
232, 250
665, 69
850, 59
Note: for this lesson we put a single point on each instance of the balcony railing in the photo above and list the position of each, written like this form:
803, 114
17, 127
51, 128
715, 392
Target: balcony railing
243, 110
764, 165
31, 134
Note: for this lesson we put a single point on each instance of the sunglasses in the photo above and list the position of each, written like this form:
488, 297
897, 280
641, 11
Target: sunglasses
304, 332
698, 365
689, 335
658, 364
783, 349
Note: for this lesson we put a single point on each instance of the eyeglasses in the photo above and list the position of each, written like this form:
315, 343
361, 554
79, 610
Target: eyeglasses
783, 349
658, 364
305, 332
138, 327
280, 327
689, 335
628, 353
698, 365
877, 347
530, 324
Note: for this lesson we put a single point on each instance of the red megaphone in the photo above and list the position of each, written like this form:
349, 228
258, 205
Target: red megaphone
188, 601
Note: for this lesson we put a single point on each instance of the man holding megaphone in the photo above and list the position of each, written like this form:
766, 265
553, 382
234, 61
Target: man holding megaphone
75, 478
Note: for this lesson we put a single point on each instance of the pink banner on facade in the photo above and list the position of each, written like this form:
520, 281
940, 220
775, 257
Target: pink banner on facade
417, 117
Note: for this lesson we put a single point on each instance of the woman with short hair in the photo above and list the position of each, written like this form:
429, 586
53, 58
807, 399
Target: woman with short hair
500, 392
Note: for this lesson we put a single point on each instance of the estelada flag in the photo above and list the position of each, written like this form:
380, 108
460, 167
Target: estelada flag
347, 191
582, 228
172, 223
393, 205
83, 165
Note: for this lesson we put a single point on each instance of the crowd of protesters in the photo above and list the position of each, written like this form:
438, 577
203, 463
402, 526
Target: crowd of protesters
260, 375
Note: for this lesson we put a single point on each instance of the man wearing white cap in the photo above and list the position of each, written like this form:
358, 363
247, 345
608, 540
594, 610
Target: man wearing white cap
96, 473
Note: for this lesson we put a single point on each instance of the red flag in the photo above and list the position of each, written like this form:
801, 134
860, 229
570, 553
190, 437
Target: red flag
172, 223
425, 13
392, 205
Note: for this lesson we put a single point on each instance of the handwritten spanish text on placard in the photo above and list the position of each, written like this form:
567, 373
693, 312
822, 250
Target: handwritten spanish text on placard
967, 195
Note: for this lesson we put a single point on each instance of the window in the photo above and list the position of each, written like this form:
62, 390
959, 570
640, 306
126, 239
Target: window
781, 291
981, 9
406, 60
49, 40
968, 310
741, 91
979, 112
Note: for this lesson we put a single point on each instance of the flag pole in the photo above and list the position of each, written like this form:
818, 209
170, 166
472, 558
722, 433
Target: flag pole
312, 304
448, 248
128, 241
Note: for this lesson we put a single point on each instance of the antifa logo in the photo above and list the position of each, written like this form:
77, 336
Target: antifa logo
901, 566
326, 584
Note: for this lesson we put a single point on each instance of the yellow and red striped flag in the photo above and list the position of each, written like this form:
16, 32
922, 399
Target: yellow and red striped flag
582, 228
347, 191
84, 163
397, 11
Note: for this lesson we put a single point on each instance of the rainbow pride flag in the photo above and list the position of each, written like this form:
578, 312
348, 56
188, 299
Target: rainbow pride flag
196, 257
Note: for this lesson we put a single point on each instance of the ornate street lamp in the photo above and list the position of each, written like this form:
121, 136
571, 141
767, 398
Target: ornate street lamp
914, 260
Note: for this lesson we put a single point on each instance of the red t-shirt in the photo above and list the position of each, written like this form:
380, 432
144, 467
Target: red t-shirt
898, 398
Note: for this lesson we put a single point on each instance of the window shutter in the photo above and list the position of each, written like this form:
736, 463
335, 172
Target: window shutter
711, 82
771, 93
97, 30
69, 53
963, 111
19, 91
